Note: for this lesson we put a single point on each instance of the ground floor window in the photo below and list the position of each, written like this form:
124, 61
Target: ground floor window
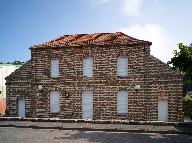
54, 102
122, 102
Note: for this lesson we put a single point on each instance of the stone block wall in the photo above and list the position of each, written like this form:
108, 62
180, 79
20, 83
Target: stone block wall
154, 77
104, 82
19, 87
165, 84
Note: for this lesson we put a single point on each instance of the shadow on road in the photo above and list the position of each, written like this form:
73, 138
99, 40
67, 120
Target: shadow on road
109, 137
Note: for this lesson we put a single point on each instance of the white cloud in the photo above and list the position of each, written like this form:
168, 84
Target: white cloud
131, 7
127, 7
102, 1
162, 44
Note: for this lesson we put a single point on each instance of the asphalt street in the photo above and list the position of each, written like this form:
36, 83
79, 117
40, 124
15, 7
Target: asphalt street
29, 135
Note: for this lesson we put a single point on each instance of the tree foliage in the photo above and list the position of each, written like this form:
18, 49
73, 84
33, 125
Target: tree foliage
187, 107
182, 62
14, 63
18, 63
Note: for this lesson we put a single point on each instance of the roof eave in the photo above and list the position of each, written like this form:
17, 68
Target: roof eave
96, 44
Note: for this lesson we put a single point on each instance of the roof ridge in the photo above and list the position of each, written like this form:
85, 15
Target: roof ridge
94, 38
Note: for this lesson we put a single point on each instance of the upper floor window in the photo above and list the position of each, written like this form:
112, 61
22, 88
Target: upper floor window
54, 68
122, 66
88, 67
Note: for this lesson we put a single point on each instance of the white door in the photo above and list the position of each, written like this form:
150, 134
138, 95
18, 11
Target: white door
54, 102
87, 105
122, 102
163, 110
21, 108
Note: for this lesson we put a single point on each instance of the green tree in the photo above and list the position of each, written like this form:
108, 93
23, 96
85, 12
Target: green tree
18, 63
182, 62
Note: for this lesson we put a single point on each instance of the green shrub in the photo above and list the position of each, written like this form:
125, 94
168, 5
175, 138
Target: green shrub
187, 106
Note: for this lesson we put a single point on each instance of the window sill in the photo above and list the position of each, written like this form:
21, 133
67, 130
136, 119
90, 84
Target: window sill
87, 77
55, 77
122, 76
122, 114
55, 112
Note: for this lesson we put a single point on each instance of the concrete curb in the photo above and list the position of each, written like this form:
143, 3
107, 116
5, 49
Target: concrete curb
126, 122
95, 129
181, 128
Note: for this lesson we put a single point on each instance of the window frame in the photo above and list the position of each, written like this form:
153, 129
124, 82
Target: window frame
51, 74
118, 104
118, 72
59, 107
85, 74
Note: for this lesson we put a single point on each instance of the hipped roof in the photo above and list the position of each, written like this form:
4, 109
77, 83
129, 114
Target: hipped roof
92, 39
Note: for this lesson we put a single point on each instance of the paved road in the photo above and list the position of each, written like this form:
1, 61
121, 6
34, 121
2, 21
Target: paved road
28, 135
102, 127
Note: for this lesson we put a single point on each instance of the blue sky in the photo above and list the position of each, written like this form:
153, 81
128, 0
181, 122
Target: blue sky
24, 23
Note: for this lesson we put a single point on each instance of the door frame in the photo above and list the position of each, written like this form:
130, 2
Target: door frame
51, 97
19, 111
83, 94
167, 110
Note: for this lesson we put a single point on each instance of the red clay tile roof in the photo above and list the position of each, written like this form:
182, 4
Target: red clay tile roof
92, 39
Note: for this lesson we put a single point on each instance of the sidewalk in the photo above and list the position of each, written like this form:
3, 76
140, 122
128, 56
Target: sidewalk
88, 125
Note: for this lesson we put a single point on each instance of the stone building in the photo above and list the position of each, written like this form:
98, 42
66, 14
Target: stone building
5, 70
95, 76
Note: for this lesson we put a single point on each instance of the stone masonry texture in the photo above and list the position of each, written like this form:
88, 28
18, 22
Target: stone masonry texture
157, 80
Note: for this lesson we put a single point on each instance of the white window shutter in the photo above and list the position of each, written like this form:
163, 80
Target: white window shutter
54, 68
122, 102
122, 66
88, 67
54, 102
